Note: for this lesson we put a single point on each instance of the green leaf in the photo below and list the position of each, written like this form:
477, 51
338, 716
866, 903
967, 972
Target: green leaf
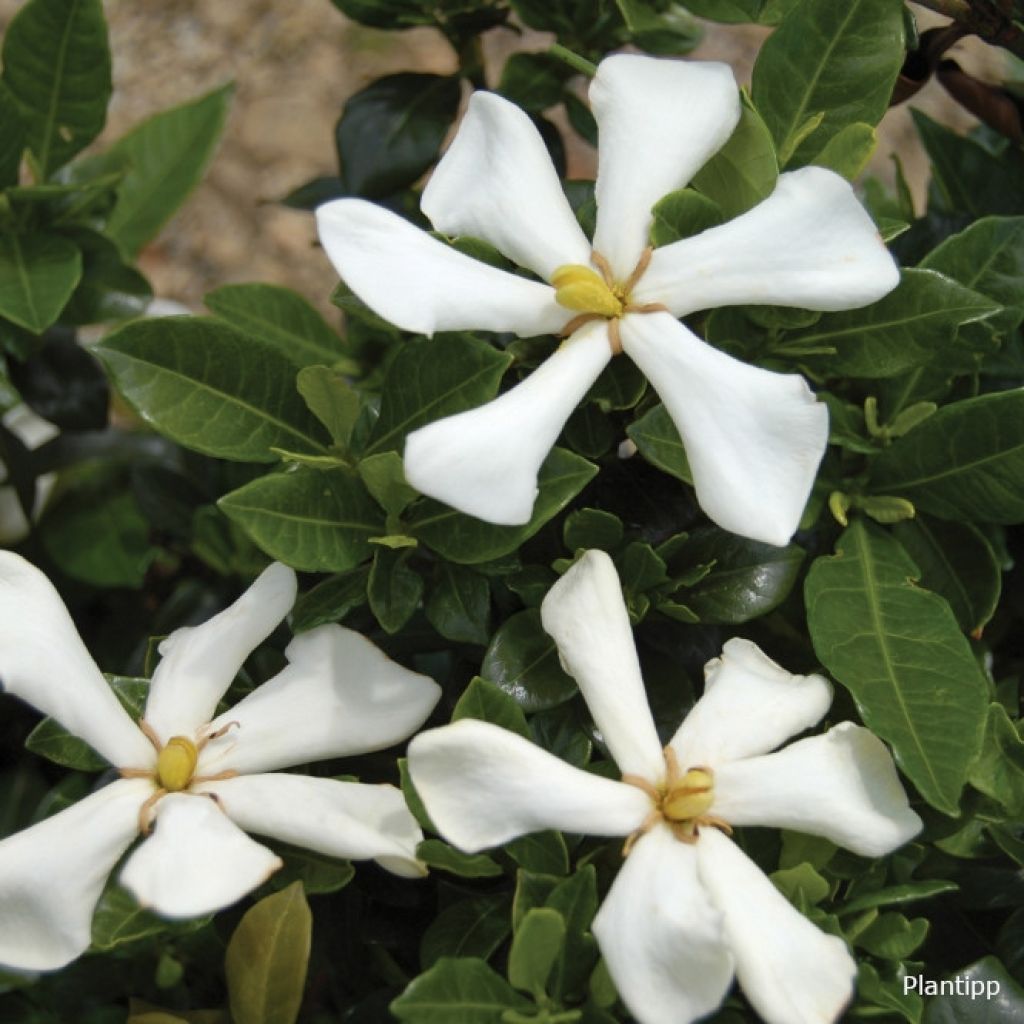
965, 462
837, 59
311, 520
897, 895
266, 959
56, 62
658, 440
665, 29
431, 379
536, 947
542, 853
119, 920
592, 528
987, 257
575, 898
280, 317
394, 590
969, 177
801, 885
473, 927
459, 605
38, 274
165, 158
484, 701
13, 137
330, 600
889, 994
999, 770
523, 661
204, 385
893, 936
748, 578
331, 399
385, 480
999, 999
458, 991
745, 169
316, 872
681, 214
469, 541
908, 327
957, 563
110, 289
533, 81
848, 151
391, 131
899, 651
442, 857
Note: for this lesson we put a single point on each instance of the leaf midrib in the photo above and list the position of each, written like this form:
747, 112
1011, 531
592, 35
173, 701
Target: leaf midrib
50, 124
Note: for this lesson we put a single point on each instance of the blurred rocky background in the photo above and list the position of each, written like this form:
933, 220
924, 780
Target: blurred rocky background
294, 63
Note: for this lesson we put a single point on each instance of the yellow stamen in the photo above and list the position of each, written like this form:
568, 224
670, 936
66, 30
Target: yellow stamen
176, 764
582, 289
691, 798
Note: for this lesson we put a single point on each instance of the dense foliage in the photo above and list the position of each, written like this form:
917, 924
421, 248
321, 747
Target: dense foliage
263, 432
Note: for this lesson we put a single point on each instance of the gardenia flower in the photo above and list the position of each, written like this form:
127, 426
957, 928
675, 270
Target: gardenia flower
753, 438
192, 780
688, 909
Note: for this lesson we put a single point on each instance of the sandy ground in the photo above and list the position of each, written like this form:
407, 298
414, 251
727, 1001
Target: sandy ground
294, 64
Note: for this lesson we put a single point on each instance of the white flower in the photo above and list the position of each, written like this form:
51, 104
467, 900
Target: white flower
688, 909
339, 695
753, 438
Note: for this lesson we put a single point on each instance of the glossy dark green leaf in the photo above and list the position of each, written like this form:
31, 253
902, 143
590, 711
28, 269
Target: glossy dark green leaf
461, 538
266, 959
204, 385
317, 872
532, 81
458, 991
330, 600
840, 60
592, 528
394, 589
897, 895
893, 936
969, 177
428, 380
957, 563
390, 14
898, 649
459, 604
391, 131
440, 856
575, 898
13, 137
999, 770
312, 520
280, 317
119, 920
484, 701
911, 326
658, 440
682, 214
540, 853
38, 274
999, 999
385, 480
110, 289
664, 29
748, 578
471, 927
964, 463
334, 402
56, 63
164, 158
745, 169
523, 660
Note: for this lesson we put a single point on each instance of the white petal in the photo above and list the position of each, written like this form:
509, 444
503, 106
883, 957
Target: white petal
44, 662
497, 182
484, 462
753, 438
339, 695
339, 819
196, 861
420, 284
483, 785
792, 972
198, 663
809, 244
659, 121
750, 706
52, 876
585, 614
660, 935
842, 786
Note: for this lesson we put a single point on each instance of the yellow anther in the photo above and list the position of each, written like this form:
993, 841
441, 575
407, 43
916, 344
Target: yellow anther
584, 290
176, 764
691, 797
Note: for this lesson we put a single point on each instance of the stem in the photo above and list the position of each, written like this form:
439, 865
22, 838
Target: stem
983, 18
574, 60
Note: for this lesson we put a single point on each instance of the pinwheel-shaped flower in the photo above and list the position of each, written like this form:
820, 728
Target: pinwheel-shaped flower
688, 908
753, 438
192, 782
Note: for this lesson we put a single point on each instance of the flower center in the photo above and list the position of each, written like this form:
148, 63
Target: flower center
681, 801
598, 296
176, 764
